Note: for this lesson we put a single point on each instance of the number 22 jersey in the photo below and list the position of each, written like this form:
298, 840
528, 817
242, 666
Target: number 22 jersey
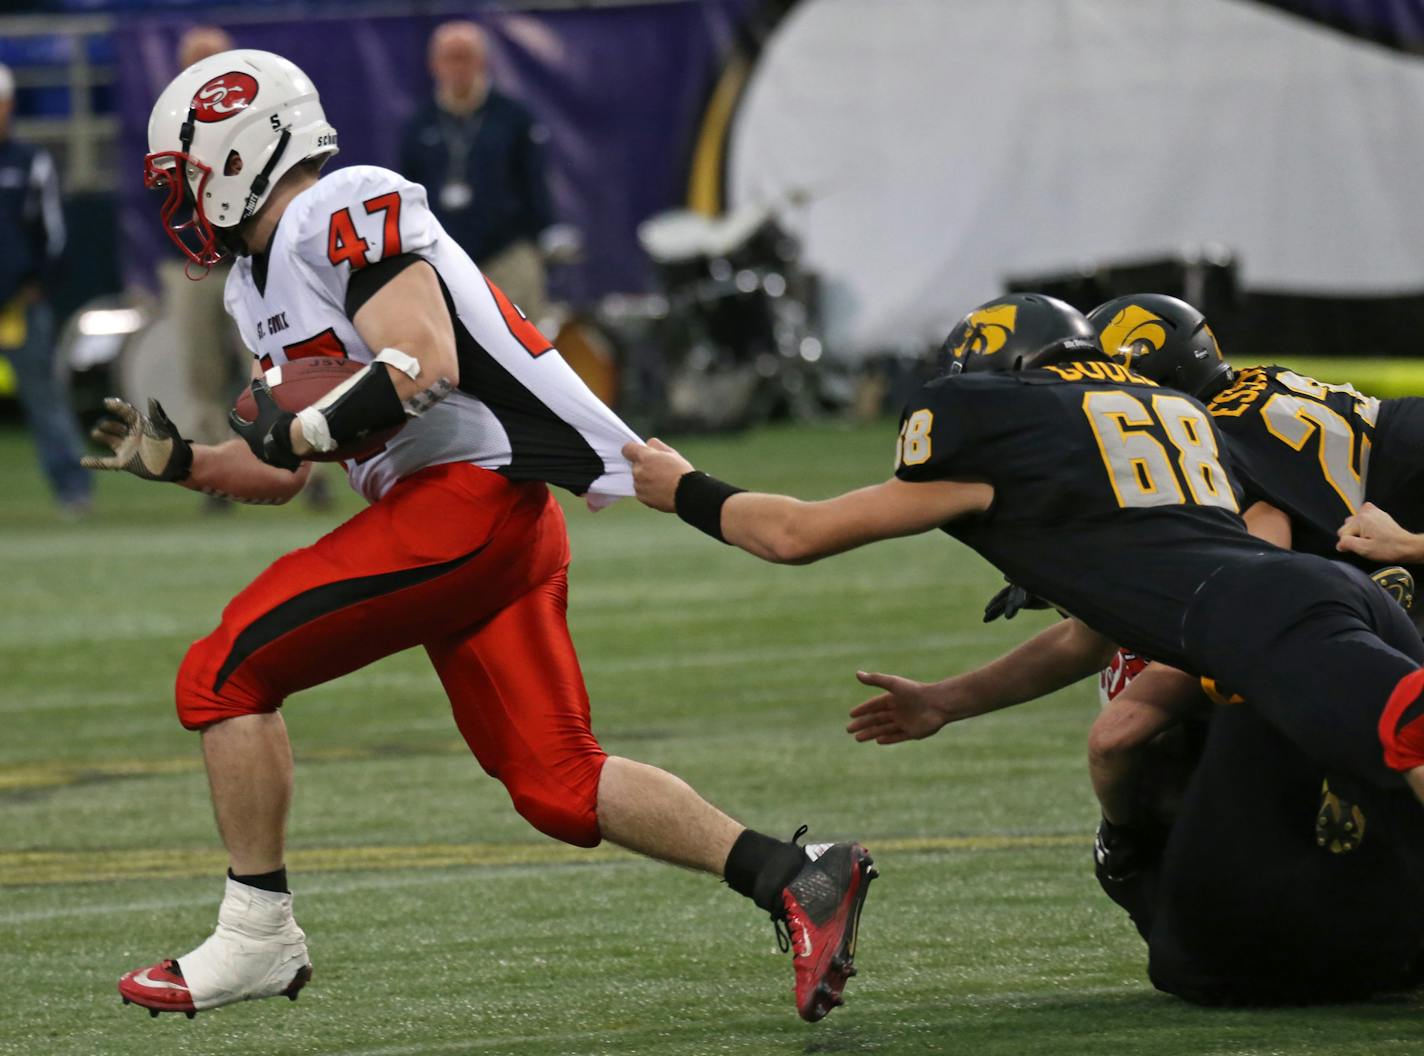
519, 410
1300, 445
1113, 498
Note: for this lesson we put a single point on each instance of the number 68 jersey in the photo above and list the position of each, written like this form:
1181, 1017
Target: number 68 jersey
519, 409
1113, 498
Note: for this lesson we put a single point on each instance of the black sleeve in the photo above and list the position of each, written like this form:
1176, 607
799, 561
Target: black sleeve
933, 432
367, 282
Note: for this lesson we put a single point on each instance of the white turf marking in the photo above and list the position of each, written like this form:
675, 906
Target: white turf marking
443, 868
1016, 1000
315, 886
858, 647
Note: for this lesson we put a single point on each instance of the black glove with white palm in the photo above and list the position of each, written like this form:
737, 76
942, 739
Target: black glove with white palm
147, 445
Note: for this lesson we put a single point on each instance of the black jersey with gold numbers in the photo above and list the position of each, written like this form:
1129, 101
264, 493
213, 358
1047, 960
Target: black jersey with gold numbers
1300, 445
1112, 498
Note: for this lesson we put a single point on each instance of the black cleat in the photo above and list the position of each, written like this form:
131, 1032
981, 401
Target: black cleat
1340, 823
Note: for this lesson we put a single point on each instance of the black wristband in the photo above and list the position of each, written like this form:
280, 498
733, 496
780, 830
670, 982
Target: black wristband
180, 462
699, 500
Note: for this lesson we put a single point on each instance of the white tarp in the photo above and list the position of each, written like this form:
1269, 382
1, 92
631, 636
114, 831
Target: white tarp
947, 143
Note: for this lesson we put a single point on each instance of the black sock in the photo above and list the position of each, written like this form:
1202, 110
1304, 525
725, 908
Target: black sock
760, 866
275, 881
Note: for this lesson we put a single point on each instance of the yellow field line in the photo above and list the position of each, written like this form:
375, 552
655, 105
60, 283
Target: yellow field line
19, 868
35, 776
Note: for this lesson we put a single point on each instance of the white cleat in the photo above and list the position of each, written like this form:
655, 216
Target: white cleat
256, 951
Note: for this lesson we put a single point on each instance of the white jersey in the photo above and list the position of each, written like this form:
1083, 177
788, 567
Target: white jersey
519, 409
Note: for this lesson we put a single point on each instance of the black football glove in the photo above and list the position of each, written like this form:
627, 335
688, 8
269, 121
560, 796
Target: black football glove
270, 435
146, 445
1010, 601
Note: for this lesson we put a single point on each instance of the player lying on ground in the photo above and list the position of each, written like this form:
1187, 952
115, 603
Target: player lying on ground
462, 551
1225, 875
1092, 487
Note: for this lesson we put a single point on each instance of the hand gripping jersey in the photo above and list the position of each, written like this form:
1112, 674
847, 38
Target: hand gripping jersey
1300, 445
1112, 497
520, 409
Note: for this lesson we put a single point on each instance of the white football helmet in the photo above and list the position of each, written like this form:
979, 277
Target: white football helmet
234, 122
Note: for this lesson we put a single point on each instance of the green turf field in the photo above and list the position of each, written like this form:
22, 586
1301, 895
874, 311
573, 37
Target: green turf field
440, 924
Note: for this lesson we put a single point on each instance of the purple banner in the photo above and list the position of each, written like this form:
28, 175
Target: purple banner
1394, 23
621, 90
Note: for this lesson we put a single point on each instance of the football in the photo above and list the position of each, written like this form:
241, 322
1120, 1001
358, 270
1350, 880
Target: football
299, 384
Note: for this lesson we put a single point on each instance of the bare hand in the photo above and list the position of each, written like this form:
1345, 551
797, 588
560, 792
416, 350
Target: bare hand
656, 470
1376, 536
907, 711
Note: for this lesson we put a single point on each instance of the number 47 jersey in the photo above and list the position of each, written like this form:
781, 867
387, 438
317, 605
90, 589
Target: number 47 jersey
1113, 498
519, 410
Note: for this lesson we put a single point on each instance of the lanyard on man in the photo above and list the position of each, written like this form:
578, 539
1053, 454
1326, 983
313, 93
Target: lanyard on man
458, 135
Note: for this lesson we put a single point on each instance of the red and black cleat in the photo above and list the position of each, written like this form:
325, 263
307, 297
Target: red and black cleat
823, 906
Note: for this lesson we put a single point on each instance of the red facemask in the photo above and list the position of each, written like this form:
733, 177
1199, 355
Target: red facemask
195, 235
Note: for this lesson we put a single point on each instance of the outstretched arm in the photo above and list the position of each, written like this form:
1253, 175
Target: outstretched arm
1056, 657
151, 448
784, 530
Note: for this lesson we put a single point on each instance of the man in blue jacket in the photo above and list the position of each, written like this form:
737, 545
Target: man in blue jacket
480, 156
32, 232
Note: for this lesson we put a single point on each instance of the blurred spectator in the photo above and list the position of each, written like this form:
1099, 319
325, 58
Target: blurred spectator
214, 361
32, 237
480, 156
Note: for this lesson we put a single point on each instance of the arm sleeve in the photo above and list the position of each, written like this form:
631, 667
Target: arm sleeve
356, 218
934, 429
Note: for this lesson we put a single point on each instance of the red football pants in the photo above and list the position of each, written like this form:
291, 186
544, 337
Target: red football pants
464, 562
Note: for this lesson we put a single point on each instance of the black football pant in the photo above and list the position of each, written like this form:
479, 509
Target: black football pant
1244, 908
1314, 647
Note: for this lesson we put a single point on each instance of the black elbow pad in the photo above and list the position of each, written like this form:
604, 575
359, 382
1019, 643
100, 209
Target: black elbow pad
366, 404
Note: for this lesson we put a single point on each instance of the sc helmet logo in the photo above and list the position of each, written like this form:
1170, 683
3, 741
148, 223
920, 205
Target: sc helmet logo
1134, 334
985, 331
224, 97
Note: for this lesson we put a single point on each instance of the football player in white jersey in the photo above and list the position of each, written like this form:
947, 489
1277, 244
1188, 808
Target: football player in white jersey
462, 551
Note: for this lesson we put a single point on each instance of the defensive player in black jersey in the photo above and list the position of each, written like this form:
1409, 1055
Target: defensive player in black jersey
1092, 487
1306, 454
